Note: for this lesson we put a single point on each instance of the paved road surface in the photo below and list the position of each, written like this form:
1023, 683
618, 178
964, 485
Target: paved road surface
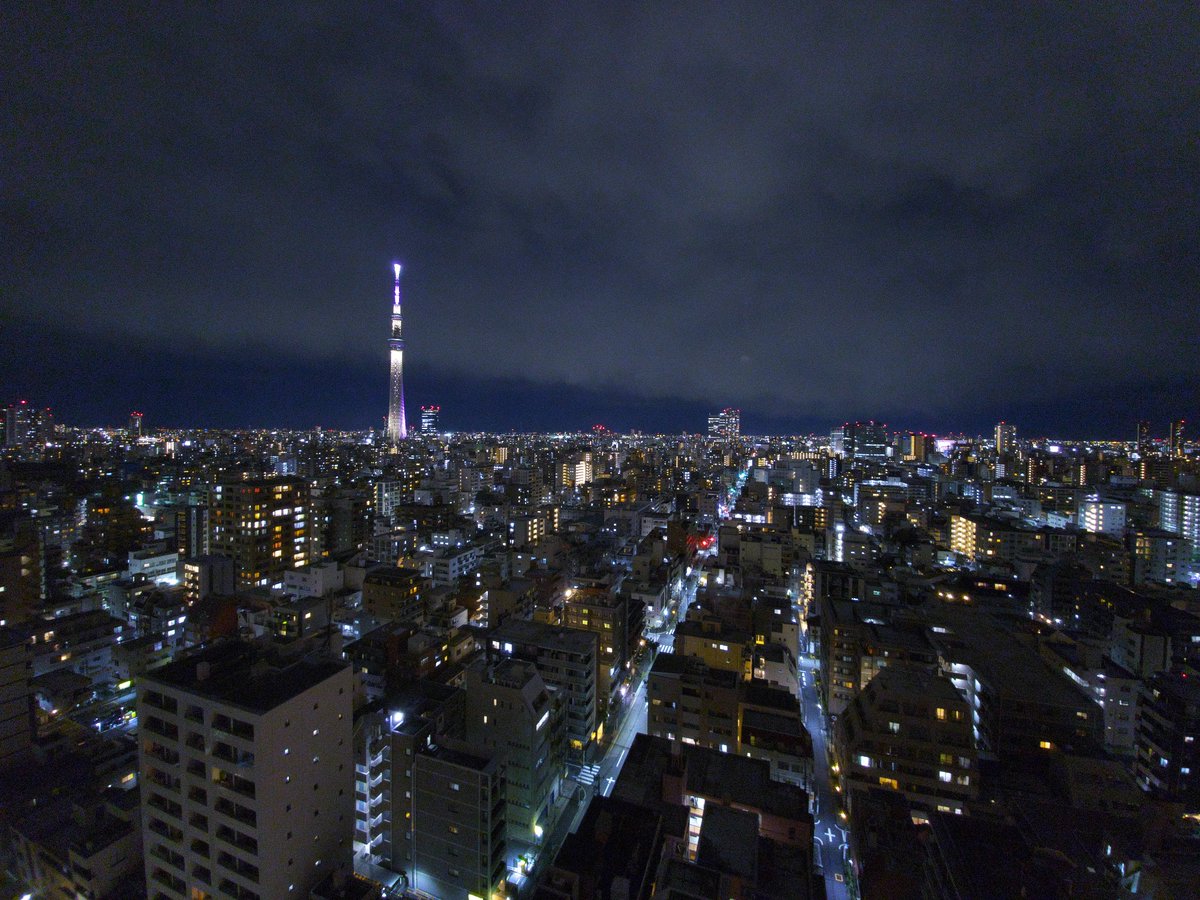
829, 833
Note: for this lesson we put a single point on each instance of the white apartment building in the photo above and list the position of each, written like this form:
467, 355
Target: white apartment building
247, 774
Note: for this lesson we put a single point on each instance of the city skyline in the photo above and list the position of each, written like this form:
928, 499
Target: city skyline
691, 212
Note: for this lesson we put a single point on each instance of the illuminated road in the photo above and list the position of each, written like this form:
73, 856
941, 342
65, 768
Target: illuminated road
828, 829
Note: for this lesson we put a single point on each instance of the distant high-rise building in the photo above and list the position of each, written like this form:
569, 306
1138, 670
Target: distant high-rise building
1176, 438
264, 525
1006, 439
25, 425
865, 440
837, 440
1143, 435
429, 419
915, 447
397, 427
727, 423
135, 424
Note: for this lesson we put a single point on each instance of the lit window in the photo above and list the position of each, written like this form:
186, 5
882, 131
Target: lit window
945, 776
941, 714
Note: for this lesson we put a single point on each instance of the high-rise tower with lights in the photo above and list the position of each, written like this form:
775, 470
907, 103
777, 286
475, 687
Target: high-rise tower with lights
397, 428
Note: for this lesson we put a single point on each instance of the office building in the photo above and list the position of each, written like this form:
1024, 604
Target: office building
915, 447
263, 526
725, 424
397, 427
429, 419
135, 425
247, 774
865, 440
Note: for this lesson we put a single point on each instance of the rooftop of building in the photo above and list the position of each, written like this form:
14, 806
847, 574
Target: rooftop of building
764, 694
675, 664
527, 631
244, 675
461, 754
729, 841
721, 777
904, 637
616, 840
389, 575
911, 681
1010, 666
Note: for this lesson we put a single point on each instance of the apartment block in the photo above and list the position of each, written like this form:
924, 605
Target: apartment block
247, 774
568, 661
910, 731
459, 836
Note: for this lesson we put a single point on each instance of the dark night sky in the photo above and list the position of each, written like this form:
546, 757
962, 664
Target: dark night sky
631, 213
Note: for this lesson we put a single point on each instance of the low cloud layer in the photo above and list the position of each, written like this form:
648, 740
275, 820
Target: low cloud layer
830, 212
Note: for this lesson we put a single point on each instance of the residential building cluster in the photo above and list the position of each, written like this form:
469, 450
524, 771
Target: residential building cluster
263, 664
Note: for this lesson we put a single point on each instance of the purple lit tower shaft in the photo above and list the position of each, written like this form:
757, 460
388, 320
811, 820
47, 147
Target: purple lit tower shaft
397, 427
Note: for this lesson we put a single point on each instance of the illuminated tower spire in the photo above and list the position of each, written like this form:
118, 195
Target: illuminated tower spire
397, 428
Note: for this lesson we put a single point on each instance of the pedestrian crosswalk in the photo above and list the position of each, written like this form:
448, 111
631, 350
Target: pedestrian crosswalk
587, 775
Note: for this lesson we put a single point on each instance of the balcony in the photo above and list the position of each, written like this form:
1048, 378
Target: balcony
155, 725
169, 881
170, 832
171, 858
164, 780
233, 727
230, 888
237, 840
161, 753
169, 807
239, 758
240, 866
238, 812
233, 782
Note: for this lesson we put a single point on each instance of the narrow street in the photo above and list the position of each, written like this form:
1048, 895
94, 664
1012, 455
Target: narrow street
828, 829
